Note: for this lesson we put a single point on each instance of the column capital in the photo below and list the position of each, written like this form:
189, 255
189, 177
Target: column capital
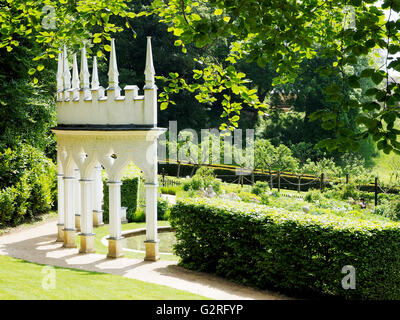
151, 184
114, 183
85, 180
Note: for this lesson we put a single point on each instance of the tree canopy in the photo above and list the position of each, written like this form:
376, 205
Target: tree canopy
279, 33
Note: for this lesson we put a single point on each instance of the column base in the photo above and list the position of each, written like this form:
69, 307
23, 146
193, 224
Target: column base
115, 248
87, 243
151, 250
78, 222
98, 218
60, 234
69, 238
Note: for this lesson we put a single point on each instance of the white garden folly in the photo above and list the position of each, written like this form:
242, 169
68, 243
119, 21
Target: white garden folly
100, 127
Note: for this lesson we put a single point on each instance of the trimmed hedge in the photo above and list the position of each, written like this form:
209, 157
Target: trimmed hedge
129, 197
291, 251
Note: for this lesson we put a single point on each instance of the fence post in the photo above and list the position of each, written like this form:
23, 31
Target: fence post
376, 191
163, 177
279, 180
299, 184
321, 184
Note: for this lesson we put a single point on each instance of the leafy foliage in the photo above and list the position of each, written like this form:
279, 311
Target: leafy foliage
296, 252
27, 184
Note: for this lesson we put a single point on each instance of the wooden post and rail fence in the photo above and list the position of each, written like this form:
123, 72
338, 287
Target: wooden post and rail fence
279, 180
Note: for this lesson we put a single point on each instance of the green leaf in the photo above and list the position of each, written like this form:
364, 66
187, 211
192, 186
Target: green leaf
377, 77
354, 82
163, 105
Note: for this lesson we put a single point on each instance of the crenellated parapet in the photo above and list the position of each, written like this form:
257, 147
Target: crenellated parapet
82, 104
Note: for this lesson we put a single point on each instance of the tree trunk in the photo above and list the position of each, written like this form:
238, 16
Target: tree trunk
270, 179
179, 169
193, 170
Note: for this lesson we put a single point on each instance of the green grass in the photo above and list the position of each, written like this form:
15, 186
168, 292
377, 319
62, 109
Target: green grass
23, 280
386, 166
104, 231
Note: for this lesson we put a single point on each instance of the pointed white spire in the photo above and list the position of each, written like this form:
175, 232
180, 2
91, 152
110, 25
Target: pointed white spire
75, 73
60, 69
95, 75
84, 76
149, 71
67, 74
113, 68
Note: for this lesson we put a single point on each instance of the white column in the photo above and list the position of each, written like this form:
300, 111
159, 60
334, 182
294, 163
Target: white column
151, 242
60, 200
151, 211
87, 235
69, 213
114, 209
60, 209
115, 239
97, 197
86, 206
77, 201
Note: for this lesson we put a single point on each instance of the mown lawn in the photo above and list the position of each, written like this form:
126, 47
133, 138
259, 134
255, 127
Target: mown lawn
22, 280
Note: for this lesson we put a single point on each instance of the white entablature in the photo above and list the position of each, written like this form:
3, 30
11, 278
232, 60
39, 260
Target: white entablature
97, 126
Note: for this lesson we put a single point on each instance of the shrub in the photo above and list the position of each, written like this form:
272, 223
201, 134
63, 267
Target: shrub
275, 194
313, 196
344, 192
295, 252
162, 209
203, 178
349, 191
169, 190
389, 209
138, 216
259, 188
27, 184
129, 197
264, 198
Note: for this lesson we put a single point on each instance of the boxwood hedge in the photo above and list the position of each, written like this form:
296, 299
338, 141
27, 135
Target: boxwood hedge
289, 251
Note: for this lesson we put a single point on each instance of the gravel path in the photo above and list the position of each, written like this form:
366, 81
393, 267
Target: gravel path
37, 244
